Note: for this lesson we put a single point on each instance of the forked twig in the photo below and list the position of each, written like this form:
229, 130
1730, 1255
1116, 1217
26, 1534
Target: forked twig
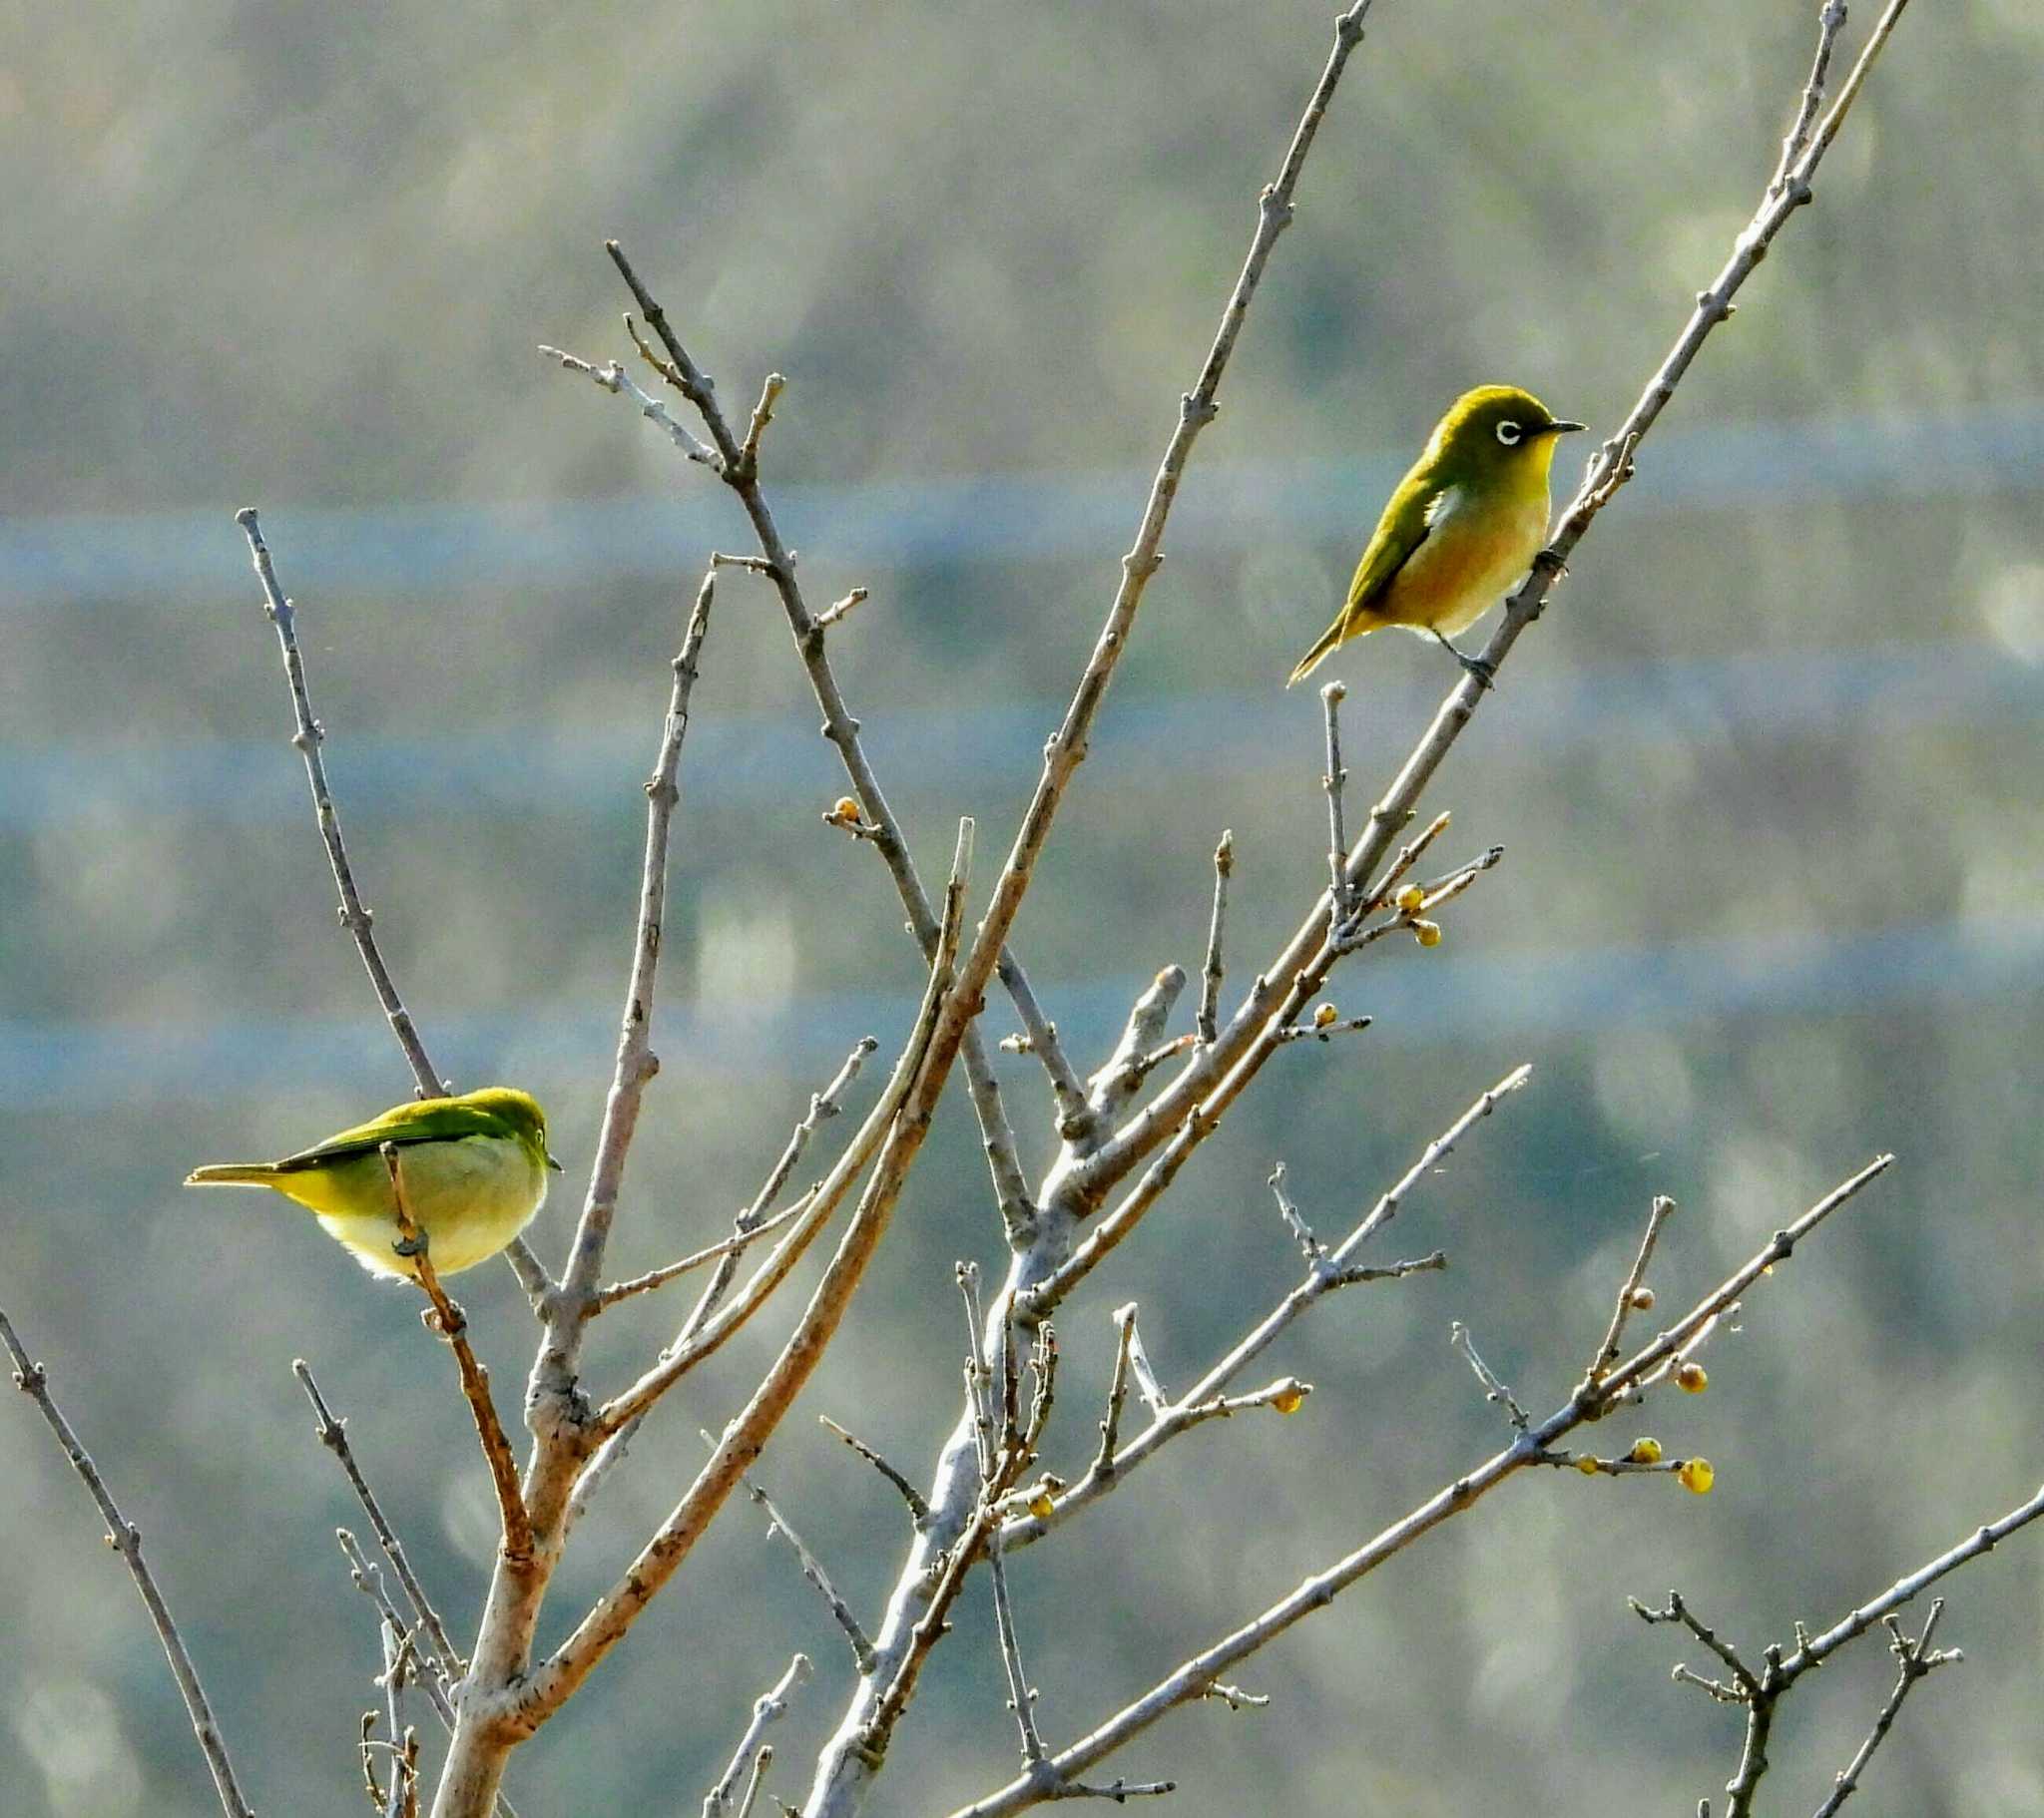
125, 1540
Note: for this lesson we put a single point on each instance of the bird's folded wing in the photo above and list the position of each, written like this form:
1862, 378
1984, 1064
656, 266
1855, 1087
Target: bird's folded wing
1401, 531
446, 1122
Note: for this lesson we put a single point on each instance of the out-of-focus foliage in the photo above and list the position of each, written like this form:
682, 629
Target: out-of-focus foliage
299, 256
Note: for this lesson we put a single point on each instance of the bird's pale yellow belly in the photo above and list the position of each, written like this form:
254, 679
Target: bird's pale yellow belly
1472, 555
470, 1197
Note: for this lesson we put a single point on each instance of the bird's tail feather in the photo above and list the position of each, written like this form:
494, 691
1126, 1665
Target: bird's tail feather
1329, 640
234, 1174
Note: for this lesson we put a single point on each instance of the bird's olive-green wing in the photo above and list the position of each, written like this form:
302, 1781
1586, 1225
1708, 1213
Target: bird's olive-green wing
1399, 532
432, 1120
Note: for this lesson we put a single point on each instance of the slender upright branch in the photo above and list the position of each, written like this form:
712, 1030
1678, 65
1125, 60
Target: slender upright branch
765, 1709
1628, 1293
636, 1062
1333, 780
812, 1570
518, 1709
823, 1104
306, 740
125, 1540
333, 1436
1915, 1660
1208, 1023
841, 728
1830, 22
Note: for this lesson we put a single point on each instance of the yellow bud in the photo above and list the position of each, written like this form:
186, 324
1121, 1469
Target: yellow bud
1324, 1014
1428, 934
1039, 1505
1645, 1452
846, 810
1697, 1476
1288, 1401
1410, 898
1587, 1466
1692, 1377
1643, 1301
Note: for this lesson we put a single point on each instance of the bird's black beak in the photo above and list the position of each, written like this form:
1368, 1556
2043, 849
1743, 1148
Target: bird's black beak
555, 1166
1561, 426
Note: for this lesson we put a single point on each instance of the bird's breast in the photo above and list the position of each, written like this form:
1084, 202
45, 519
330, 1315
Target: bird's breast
1476, 547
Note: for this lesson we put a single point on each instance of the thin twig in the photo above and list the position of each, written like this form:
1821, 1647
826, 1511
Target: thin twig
616, 380
836, 615
1915, 1660
125, 1540
1191, 1679
1310, 1246
765, 1709
635, 1062
1208, 1022
842, 729
824, 1105
919, 1509
1335, 1269
452, 1325
1495, 1387
812, 1570
1658, 1214
1332, 780
333, 1436
356, 917
1828, 24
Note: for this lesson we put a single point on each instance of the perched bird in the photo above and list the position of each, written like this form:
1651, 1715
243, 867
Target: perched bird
1464, 524
473, 1171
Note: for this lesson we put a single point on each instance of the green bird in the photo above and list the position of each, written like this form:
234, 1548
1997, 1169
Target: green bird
473, 1171
1462, 527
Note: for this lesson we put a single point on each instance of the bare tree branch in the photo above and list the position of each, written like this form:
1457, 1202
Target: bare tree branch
354, 913
1190, 1680
822, 1105
840, 728
812, 1570
919, 1509
125, 1540
333, 1436
636, 1062
451, 1323
1210, 977
1333, 780
765, 1709
515, 1710
1917, 1661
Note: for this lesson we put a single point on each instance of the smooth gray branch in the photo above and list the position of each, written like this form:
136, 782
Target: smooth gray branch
356, 917
333, 1436
1208, 1023
125, 1540
1191, 1679
766, 1708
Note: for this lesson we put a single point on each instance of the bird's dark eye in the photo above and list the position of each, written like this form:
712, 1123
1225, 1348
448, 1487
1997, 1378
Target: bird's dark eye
1509, 433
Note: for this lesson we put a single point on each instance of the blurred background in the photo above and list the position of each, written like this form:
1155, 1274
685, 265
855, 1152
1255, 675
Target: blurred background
1768, 776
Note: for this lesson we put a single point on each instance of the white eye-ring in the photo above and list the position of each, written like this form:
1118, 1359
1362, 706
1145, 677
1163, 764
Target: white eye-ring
1509, 433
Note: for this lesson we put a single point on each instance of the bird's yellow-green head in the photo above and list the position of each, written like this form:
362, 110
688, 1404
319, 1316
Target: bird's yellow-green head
520, 1111
1494, 433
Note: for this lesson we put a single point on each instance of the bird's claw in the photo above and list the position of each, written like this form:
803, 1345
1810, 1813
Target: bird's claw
1484, 672
411, 1246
